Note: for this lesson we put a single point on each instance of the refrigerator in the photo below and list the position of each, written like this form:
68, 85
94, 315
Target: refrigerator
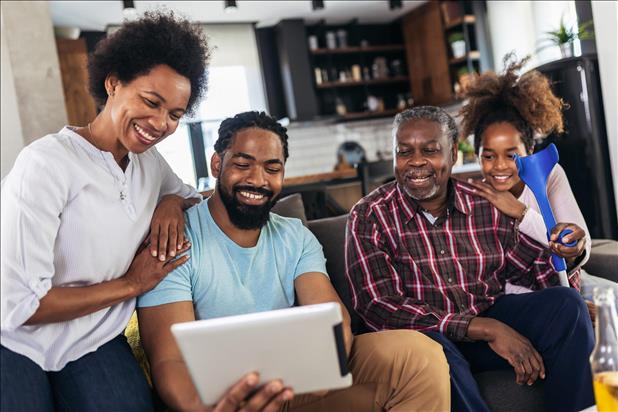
583, 148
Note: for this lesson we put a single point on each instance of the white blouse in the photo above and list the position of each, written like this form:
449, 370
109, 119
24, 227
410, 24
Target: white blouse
563, 205
71, 217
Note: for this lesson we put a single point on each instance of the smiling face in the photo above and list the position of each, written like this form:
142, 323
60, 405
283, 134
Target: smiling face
147, 109
423, 159
499, 143
250, 176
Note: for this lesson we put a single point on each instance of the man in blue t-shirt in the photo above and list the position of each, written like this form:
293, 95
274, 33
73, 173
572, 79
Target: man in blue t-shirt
244, 259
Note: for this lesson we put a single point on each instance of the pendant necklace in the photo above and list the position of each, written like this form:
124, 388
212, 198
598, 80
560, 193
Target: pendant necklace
123, 183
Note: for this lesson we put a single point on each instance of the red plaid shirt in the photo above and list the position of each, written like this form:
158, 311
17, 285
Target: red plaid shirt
405, 272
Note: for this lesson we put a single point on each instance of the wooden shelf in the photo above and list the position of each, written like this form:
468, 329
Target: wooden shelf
467, 19
369, 115
473, 55
367, 49
330, 85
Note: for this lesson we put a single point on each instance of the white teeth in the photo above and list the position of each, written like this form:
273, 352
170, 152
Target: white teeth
251, 195
502, 177
144, 133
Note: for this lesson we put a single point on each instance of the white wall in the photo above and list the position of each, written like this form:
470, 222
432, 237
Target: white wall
520, 26
605, 15
31, 72
12, 140
235, 45
511, 28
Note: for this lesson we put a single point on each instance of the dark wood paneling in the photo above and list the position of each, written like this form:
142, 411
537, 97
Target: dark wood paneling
427, 55
73, 58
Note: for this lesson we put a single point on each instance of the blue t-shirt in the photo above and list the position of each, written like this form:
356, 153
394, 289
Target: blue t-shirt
223, 279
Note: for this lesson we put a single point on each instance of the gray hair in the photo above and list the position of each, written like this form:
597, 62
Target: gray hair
431, 113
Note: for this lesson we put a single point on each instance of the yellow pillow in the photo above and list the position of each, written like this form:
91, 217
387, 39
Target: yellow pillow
132, 334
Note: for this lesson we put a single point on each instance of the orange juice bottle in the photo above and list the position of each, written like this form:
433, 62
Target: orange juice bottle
604, 357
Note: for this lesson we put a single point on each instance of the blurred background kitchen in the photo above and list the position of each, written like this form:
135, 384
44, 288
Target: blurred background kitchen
335, 73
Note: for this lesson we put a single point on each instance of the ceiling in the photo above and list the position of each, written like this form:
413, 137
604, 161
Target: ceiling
97, 15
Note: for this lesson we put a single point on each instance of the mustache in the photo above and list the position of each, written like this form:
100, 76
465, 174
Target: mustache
416, 173
253, 189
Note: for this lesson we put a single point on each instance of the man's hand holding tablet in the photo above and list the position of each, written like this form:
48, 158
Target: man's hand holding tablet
268, 398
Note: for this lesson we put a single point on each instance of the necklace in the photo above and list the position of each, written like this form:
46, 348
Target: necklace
122, 183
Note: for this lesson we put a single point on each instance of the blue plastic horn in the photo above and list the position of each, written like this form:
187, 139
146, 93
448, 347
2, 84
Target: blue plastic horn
533, 171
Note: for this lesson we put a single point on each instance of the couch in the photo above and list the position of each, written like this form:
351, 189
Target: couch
497, 387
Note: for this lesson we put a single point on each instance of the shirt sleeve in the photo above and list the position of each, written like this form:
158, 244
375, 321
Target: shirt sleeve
171, 184
312, 256
527, 262
565, 209
176, 286
34, 195
377, 288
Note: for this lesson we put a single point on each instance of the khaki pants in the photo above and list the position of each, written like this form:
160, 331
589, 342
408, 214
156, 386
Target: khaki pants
395, 370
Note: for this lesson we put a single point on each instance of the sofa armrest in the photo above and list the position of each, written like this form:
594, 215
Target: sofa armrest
603, 260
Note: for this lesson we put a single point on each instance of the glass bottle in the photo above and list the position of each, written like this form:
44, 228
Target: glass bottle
604, 357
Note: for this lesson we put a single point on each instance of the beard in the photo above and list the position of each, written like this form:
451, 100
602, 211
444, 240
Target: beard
246, 217
424, 195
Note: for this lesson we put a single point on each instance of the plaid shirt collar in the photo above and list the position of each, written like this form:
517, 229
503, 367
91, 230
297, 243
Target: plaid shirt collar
456, 200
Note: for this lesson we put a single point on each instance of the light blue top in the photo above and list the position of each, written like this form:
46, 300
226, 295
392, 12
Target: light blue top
223, 279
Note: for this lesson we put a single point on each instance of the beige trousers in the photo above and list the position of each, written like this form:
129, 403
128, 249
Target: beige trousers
395, 370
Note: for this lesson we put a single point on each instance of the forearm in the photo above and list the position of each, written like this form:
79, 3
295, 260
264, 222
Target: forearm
480, 329
175, 387
66, 303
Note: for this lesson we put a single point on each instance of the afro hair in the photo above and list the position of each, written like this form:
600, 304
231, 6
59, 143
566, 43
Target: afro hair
159, 37
526, 102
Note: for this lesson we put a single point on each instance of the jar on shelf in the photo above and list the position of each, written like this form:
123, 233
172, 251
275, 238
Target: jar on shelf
342, 38
331, 41
313, 42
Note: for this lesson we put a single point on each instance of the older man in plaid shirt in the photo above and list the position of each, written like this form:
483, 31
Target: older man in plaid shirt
426, 252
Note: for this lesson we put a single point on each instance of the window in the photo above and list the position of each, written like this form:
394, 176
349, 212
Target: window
234, 86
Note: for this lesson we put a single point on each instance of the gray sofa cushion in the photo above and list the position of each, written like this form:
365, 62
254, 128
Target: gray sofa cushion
330, 232
291, 206
603, 260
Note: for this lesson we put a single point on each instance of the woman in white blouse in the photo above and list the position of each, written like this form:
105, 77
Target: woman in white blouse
76, 207
505, 112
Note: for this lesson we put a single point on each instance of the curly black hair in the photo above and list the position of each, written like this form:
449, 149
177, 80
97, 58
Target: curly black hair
230, 126
526, 102
159, 37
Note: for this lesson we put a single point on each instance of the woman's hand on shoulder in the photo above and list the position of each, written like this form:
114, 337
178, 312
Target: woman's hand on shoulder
167, 226
578, 235
146, 271
503, 201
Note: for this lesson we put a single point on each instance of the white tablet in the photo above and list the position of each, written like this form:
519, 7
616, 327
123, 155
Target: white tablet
303, 346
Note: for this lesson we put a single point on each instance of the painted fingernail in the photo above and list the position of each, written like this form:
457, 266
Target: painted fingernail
153, 253
179, 246
172, 253
161, 258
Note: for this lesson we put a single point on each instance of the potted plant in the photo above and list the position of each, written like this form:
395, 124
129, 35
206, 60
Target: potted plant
464, 77
564, 37
467, 151
458, 44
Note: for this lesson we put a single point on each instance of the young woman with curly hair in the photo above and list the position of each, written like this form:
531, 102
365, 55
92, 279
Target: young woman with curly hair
75, 208
505, 112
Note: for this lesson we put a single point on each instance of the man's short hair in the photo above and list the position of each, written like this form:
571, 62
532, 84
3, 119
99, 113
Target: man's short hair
230, 126
431, 113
